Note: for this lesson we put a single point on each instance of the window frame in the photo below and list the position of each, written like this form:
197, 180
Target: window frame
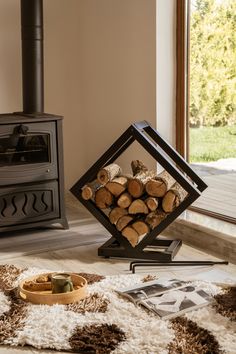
182, 91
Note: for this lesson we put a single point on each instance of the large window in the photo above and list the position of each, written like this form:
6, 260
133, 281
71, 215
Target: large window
206, 99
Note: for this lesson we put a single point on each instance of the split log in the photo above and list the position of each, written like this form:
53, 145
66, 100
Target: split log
152, 203
131, 235
103, 198
108, 172
124, 200
136, 185
117, 185
141, 175
173, 198
123, 222
116, 213
154, 218
158, 186
141, 227
138, 166
138, 206
89, 190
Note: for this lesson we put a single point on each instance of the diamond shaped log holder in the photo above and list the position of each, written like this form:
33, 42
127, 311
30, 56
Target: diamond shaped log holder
150, 247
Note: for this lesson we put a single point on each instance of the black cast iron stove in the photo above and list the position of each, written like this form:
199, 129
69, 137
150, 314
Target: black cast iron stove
31, 147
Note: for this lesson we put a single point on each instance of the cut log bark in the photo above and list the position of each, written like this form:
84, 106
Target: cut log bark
123, 222
138, 206
109, 172
154, 218
117, 185
152, 203
138, 166
103, 198
88, 191
173, 198
136, 185
141, 227
116, 213
131, 235
124, 200
158, 186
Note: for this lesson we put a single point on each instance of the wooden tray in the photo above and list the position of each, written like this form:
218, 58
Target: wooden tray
46, 297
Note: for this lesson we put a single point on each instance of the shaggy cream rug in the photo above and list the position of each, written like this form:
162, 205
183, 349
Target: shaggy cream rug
106, 323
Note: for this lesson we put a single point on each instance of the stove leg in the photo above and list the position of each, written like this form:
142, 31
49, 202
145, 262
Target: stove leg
64, 224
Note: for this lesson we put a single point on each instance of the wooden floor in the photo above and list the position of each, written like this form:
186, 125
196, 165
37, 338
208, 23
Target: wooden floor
220, 196
76, 250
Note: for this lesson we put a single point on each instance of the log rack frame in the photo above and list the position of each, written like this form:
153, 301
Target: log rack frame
163, 153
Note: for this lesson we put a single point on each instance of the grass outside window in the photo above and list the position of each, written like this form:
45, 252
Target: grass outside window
212, 143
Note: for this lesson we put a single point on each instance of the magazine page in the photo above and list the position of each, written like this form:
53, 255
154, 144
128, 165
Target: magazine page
155, 287
177, 302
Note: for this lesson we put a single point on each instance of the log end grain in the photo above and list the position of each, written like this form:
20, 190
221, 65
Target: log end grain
135, 187
154, 218
138, 207
124, 200
117, 185
116, 213
169, 202
131, 235
155, 188
123, 221
152, 203
107, 173
103, 198
141, 227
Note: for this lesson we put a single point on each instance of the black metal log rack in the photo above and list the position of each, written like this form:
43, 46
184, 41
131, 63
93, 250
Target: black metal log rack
150, 247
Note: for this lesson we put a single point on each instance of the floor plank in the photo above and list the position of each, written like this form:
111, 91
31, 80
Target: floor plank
220, 196
76, 250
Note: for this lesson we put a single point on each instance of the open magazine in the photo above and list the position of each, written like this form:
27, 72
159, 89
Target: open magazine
167, 298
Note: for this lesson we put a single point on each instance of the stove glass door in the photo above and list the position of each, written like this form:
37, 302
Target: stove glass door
20, 149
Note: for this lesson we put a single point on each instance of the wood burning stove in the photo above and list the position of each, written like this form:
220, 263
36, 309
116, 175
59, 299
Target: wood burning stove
31, 150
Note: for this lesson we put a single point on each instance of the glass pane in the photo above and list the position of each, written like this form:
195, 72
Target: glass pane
212, 106
17, 149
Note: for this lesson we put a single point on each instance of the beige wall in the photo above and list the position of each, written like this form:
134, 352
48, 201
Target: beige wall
166, 68
10, 61
99, 71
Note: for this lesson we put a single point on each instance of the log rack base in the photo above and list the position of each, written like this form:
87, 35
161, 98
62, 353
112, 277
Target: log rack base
165, 250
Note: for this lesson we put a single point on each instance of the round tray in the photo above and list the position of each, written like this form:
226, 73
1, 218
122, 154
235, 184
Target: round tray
47, 298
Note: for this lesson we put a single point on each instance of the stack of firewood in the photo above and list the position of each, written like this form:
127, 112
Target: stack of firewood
136, 203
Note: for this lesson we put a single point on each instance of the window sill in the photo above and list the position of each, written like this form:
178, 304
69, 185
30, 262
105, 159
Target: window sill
208, 234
